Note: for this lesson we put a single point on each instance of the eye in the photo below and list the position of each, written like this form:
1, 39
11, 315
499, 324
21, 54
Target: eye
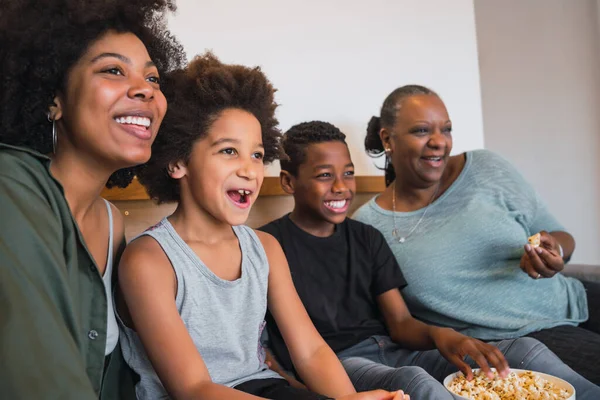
230, 151
258, 155
154, 79
324, 175
447, 130
349, 173
113, 71
419, 131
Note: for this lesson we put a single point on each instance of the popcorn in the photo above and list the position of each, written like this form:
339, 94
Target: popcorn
524, 385
535, 240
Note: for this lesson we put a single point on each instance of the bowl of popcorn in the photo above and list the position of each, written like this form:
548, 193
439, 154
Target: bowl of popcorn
518, 385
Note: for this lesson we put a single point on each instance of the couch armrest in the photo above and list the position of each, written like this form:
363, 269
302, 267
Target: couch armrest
583, 272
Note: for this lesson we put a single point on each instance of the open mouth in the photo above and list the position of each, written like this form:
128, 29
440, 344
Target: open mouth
434, 161
136, 125
337, 206
240, 197
133, 120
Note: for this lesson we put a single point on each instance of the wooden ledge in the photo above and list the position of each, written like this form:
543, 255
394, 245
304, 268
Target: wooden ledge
270, 187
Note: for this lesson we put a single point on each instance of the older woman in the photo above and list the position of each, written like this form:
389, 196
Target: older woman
459, 225
81, 99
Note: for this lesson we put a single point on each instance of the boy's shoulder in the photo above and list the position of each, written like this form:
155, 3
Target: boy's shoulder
361, 228
275, 227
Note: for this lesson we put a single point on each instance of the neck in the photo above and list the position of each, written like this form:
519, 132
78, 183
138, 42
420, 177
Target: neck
313, 225
410, 198
82, 181
194, 224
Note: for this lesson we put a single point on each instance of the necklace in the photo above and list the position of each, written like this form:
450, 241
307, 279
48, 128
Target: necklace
395, 233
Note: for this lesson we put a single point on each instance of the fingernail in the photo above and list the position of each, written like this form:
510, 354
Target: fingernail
527, 247
539, 250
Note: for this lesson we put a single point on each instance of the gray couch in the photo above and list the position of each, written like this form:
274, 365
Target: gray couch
590, 273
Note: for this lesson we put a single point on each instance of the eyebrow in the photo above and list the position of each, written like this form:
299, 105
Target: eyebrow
427, 122
120, 57
327, 166
221, 141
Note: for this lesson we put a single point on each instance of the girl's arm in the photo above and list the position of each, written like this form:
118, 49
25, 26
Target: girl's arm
313, 359
148, 286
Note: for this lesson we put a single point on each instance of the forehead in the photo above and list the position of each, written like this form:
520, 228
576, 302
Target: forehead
126, 44
423, 107
236, 124
325, 153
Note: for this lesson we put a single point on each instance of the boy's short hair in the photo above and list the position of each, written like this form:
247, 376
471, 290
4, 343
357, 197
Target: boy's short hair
196, 96
298, 137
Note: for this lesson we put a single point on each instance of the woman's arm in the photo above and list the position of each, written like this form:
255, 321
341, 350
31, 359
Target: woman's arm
39, 355
148, 285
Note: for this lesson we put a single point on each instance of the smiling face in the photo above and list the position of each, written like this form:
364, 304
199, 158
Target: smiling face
225, 170
420, 141
324, 186
111, 106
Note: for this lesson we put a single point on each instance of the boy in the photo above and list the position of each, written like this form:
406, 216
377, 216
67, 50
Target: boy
349, 282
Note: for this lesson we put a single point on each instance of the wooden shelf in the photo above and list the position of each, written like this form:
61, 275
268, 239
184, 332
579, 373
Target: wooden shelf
270, 187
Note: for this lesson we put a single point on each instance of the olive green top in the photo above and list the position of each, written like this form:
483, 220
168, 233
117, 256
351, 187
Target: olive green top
53, 305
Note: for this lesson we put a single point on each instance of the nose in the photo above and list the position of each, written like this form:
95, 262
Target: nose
437, 139
248, 170
140, 89
339, 186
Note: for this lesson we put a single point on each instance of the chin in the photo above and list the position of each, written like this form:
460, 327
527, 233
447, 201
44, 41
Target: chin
136, 157
335, 219
236, 219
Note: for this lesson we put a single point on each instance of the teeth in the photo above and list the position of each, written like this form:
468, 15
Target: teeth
132, 120
242, 191
336, 204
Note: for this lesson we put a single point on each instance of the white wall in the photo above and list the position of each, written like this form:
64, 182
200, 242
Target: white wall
540, 80
336, 60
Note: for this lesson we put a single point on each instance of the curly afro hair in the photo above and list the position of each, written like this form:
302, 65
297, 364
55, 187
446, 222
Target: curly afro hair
298, 137
387, 119
42, 40
197, 96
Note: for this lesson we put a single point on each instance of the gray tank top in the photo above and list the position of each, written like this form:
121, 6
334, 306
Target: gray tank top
224, 318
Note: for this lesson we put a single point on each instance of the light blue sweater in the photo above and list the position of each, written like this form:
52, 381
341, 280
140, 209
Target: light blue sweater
462, 261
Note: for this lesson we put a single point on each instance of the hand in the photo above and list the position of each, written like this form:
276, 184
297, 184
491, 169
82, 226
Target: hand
377, 395
544, 261
455, 346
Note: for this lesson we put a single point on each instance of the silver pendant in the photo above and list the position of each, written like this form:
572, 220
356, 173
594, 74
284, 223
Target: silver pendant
395, 233
401, 240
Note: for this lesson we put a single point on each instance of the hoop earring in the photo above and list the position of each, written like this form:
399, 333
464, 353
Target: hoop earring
54, 136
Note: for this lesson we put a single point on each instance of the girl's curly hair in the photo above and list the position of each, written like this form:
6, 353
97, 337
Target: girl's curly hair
42, 40
197, 96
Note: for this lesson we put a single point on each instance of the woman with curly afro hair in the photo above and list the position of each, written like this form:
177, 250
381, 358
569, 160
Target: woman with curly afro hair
81, 103
197, 285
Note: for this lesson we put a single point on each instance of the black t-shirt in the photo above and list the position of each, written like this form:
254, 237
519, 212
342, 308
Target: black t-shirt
338, 279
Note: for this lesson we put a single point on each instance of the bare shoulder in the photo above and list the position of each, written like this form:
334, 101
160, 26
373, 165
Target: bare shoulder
272, 248
144, 257
268, 241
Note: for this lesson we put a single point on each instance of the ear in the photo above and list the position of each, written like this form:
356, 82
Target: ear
386, 138
287, 182
177, 170
56, 108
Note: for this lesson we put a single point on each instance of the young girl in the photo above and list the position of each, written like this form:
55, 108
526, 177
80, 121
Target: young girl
198, 283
